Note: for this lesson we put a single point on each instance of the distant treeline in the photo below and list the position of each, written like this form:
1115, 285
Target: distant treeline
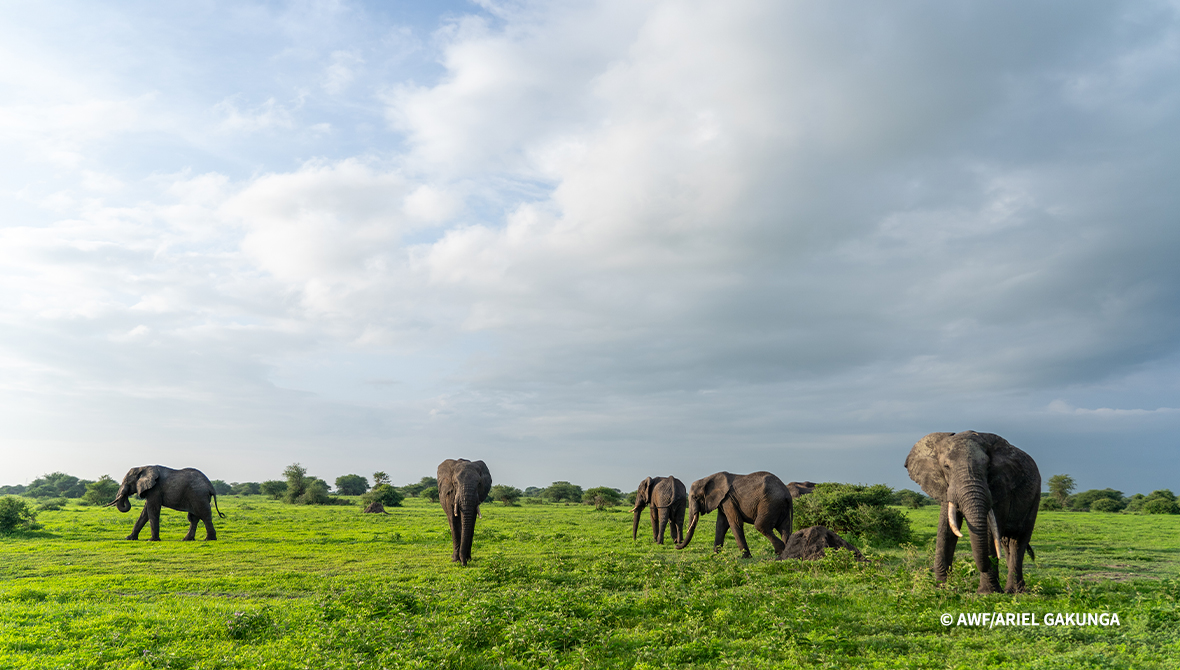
1062, 497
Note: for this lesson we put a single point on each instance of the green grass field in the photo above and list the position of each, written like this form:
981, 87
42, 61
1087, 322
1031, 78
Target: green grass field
555, 586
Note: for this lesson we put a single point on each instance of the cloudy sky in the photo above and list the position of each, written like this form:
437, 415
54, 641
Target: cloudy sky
591, 241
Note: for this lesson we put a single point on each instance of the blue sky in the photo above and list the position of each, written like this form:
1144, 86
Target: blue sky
591, 241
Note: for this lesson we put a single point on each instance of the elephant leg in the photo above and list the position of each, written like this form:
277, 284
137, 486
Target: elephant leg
153, 519
944, 548
765, 525
192, 527
655, 523
1016, 548
139, 523
663, 525
739, 533
210, 531
719, 536
456, 535
678, 525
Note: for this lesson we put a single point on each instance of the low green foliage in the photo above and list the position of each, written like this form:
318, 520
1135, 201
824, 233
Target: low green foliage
557, 586
384, 494
15, 515
100, 492
562, 492
429, 493
602, 497
853, 510
1083, 501
351, 485
507, 495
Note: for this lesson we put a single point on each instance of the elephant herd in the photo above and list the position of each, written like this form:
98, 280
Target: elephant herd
976, 477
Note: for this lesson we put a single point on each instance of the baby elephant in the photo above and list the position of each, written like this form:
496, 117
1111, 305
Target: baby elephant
668, 500
186, 490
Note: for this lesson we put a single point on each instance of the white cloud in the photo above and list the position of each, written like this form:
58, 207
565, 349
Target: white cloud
1061, 407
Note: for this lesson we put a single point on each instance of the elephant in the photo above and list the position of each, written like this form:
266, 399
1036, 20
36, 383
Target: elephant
798, 489
186, 490
462, 486
759, 498
668, 501
996, 487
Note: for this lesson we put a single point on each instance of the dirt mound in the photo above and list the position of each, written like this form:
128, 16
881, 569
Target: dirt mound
375, 508
810, 544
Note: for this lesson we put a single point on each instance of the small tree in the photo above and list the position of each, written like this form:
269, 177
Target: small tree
1082, 502
1060, 486
273, 488
246, 488
297, 482
1161, 501
1050, 504
602, 497
416, 489
380, 477
351, 485
430, 493
221, 488
853, 508
15, 514
57, 485
563, 492
910, 499
384, 494
1106, 505
507, 495
100, 492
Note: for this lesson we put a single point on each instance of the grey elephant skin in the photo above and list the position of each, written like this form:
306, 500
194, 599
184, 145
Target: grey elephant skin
759, 498
996, 487
798, 489
186, 490
668, 501
462, 486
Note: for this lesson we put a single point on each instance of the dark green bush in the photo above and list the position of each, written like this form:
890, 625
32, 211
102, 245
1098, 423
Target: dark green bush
51, 504
430, 493
911, 499
351, 485
57, 485
273, 488
562, 492
15, 514
100, 492
505, 494
1107, 505
246, 488
602, 497
853, 509
1081, 502
1160, 506
1049, 503
384, 494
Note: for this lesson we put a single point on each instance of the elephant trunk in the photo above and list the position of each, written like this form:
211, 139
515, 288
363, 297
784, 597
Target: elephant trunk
122, 504
692, 527
637, 511
975, 500
468, 533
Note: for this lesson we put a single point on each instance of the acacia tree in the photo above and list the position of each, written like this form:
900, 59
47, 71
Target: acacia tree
351, 485
505, 494
1060, 486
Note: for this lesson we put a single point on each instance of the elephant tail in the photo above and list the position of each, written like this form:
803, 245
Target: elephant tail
1032, 554
216, 507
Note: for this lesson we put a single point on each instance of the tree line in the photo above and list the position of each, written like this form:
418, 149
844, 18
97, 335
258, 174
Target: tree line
1062, 497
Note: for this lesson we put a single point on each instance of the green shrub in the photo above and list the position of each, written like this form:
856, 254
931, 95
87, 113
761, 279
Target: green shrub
562, 492
853, 509
602, 497
15, 515
221, 488
52, 504
351, 485
415, 490
430, 493
1051, 504
1107, 505
273, 488
1160, 506
506, 494
246, 488
57, 485
384, 494
100, 492
911, 499
1081, 502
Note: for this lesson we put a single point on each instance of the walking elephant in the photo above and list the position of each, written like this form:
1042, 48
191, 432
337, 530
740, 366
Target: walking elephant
462, 486
759, 498
668, 500
996, 487
186, 490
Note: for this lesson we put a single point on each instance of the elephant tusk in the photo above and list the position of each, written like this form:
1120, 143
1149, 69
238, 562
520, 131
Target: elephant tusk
995, 529
477, 513
111, 503
951, 518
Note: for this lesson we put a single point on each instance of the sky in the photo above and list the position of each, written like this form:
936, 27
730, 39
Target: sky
588, 241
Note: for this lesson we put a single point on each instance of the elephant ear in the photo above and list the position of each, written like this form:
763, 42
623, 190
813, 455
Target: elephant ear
643, 493
485, 479
716, 488
925, 467
1008, 469
445, 485
146, 480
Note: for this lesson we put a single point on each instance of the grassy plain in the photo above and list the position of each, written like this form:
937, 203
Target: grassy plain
555, 586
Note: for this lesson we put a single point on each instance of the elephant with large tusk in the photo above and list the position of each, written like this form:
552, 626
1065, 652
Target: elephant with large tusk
186, 490
668, 500
462, 486
759, 498
994, 487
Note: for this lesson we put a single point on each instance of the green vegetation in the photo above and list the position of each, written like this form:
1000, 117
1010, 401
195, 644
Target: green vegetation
16, 515
1060, 486
507, 495
556, 586
854, 511
100, 492
351, 485
602, 497
562, 492
385, 494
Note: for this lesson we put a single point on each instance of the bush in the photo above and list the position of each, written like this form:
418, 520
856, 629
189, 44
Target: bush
52, 504
247, 488
14, 490
1051, 504
430, 493
273, 488
100, 492
384, 494
1081, 502
417, 489
16, 515
1107, 505
351, 485
602, 497
221, 488
563, 492
853, 509
316, 493
911, 499
506, 494
1060, 486
57, 485
1160, 506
